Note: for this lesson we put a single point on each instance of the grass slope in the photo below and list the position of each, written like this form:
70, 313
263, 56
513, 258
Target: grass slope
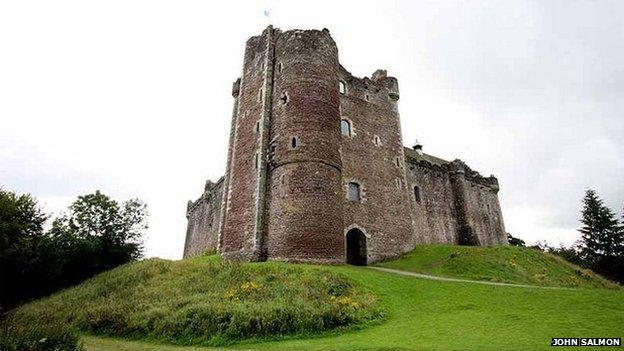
435, 315
422, 314
206, 301
506, 264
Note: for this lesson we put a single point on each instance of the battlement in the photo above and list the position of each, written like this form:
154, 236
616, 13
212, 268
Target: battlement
379, 87
456, 166
209, 191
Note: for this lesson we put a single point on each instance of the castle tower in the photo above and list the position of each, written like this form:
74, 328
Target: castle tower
378, 222
283, 184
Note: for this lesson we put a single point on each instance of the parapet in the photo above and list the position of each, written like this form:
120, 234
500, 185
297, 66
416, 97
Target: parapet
379, 82
209, 188
236, 87
455, 166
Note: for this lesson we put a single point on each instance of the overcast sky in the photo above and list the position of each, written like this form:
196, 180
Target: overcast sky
133, 97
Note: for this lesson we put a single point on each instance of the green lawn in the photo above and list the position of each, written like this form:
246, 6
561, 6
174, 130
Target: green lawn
436, 315
506, 264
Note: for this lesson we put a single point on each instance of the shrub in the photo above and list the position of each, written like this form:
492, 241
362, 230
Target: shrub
38, 338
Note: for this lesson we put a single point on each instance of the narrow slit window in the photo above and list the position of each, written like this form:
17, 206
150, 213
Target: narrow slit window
398, 183
284, 98
366, 97
260, 95
417, 193
279, 67
353, 192
377, 140
257, 129
342, 88
294, 142
255, 160
345, 127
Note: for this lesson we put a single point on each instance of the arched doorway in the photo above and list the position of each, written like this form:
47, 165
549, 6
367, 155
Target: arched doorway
356, 247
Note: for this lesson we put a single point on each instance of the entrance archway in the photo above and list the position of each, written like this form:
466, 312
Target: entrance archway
356, 247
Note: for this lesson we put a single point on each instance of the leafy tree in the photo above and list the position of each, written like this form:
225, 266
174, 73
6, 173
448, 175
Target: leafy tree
513, 241
97, 234
21, 244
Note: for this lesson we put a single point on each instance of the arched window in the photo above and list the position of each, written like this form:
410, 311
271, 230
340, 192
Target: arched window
284, 98
342, 87
294, 142
353, 192
345, 127
417, 193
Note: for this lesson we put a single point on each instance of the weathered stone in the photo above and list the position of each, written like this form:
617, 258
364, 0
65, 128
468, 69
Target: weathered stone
284, 195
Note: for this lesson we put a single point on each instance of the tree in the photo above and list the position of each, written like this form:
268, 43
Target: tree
602, 238
99, 233
601, 234
513, 241
21, 242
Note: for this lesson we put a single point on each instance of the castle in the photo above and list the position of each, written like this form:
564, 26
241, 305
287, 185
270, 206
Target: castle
317, 171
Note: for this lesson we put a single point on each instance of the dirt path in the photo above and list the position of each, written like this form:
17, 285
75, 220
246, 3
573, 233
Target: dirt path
459, 280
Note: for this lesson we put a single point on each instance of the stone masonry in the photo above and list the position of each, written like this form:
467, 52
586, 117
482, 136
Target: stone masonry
317, 171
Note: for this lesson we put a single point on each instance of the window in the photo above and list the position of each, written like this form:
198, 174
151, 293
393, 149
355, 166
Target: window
398, 162
377, 140
257, 129
366, 97
417, 193
398, 182
353, 192
260, 95
294, 142
345, 127
255, 160
279, 66
284, 98
342, 88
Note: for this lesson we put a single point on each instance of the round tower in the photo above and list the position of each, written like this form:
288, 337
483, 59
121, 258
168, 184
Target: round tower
304, 216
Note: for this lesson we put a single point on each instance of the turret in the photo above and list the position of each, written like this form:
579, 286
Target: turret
305, 202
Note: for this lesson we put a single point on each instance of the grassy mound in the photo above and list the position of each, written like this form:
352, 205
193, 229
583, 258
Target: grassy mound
206, 301
498, 264
423, 314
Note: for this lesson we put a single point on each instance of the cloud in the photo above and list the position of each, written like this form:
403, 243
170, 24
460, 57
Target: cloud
133, 98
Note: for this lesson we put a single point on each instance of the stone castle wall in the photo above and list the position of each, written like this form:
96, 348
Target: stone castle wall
284, 195
372, 156
204, 218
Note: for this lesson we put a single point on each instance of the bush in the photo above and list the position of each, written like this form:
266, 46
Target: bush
38, 338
